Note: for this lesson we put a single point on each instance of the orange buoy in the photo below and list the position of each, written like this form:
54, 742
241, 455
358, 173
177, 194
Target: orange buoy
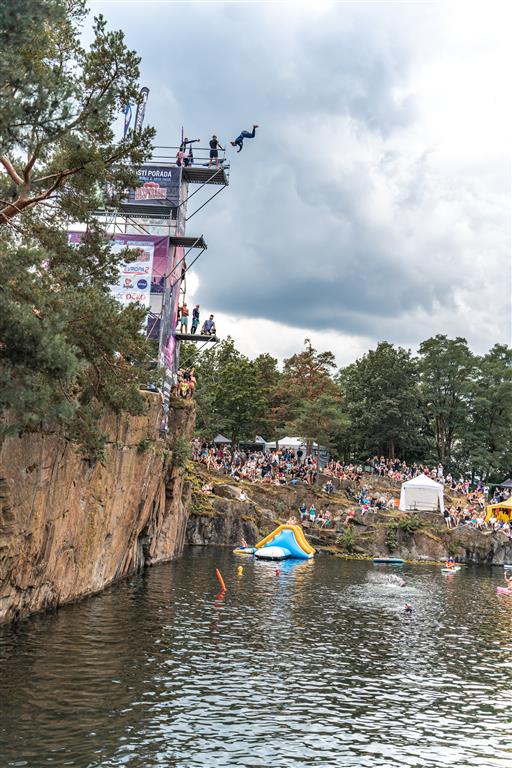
221, 580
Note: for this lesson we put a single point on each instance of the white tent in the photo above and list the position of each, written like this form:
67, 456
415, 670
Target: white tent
291, 442
421, 494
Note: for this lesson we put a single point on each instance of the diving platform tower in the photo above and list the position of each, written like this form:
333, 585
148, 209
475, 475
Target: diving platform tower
157, 213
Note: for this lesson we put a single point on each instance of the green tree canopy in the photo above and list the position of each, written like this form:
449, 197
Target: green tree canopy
58, 103
446, 368
382, 398
68, 350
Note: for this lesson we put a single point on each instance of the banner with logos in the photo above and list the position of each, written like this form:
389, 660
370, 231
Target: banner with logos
139, 274
160, 188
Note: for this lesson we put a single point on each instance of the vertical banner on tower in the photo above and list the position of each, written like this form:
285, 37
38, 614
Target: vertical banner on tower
169, 321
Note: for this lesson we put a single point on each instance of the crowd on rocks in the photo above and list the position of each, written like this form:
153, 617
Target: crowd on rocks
400, 471
290, 467
473, 513
280, 467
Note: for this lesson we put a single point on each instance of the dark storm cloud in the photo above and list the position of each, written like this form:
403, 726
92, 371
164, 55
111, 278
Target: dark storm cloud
327, 222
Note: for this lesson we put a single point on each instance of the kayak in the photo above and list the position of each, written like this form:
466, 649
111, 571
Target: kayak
455, 569
388, 560
503, 591
507, 566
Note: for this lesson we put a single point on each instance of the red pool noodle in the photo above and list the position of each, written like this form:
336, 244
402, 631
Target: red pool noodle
221, 580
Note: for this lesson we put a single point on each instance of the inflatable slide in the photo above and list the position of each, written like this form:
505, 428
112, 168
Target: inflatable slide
286, 541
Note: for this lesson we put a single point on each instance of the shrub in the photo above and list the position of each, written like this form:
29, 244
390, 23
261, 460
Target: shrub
180, 452
391, 539
347, 539
409, 524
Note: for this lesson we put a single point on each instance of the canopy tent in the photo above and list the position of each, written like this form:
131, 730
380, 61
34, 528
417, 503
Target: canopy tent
297, 443
221, 440
421, 494
505, 484
501, 511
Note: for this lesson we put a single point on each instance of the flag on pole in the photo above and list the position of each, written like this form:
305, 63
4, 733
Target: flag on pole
141, 109
127, 118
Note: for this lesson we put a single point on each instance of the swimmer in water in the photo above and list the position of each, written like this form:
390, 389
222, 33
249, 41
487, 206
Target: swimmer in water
408, 608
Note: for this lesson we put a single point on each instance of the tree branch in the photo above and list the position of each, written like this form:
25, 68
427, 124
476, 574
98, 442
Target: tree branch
11, 170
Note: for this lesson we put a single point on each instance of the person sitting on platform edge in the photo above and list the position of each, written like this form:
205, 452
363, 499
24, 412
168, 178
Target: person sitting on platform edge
195, 318
208, 328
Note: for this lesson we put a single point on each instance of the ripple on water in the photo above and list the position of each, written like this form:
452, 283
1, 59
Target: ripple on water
316, 667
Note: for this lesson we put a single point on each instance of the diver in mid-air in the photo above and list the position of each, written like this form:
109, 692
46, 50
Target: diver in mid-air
239, 141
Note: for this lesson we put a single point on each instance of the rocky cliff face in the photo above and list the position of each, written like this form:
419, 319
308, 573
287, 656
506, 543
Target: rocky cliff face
223, 519
69, 527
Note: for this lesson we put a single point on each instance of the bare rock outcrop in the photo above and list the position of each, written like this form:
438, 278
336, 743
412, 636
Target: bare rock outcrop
69, 527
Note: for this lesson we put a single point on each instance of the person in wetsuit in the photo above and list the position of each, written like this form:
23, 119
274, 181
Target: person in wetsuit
239, 141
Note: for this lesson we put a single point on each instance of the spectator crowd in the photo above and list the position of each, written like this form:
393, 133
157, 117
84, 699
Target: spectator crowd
287, 466
280, 467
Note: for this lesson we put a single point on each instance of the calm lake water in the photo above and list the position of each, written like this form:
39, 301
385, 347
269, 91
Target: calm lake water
318, 666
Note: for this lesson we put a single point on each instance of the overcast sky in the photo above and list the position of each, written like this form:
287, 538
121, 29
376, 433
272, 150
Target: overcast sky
374, 202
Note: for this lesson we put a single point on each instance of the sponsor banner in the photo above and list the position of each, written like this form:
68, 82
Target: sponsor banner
160, 188
141, 109
137, 276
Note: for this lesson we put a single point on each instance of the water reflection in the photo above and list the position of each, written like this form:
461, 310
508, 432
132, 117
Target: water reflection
315, 666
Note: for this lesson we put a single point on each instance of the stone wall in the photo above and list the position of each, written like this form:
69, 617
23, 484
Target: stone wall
69, 527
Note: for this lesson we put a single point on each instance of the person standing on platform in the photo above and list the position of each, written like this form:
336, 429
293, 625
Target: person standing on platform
184, 318
239, 141
214, 151
195, 318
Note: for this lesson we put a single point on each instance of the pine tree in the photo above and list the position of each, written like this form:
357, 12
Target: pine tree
68, 351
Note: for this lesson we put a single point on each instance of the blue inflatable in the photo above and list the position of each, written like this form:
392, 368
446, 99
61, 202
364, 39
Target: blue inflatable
291, 539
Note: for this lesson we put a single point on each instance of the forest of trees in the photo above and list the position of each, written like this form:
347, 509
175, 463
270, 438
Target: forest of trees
443, 404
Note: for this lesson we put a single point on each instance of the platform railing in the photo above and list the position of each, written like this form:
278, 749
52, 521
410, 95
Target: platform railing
201, 156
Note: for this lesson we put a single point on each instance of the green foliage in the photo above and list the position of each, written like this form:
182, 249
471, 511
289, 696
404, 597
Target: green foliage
180, 452
58, 102
409, 524
486, 438
446, 403
233, 393
321, 419
69, 353
391, 539
348, 538
446, 367
382, 396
